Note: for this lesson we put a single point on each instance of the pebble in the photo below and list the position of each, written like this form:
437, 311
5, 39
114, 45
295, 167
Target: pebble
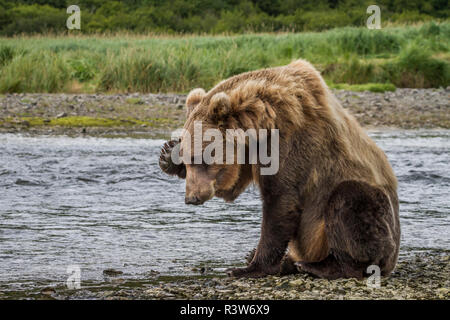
112, 272
48, 291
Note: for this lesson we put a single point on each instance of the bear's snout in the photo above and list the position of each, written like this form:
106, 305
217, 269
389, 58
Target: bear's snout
193, 200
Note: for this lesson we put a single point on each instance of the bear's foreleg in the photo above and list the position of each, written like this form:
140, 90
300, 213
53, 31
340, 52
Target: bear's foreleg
279, 226
287, 264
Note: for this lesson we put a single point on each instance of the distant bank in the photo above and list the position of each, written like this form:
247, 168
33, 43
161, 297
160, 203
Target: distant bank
156, 115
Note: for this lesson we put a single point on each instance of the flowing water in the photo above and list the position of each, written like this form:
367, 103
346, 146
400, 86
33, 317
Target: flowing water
102, 203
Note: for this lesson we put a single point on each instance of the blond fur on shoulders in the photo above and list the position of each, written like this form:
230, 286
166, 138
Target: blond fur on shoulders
280, 97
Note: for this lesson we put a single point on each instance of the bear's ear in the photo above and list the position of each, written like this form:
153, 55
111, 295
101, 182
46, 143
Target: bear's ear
193, 99
219, 107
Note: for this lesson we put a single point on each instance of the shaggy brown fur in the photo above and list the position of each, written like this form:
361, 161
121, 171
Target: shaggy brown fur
332, 207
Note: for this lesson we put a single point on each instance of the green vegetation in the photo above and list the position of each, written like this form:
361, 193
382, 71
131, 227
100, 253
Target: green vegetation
148, 45
85, 122
406, 56
209, 16
373, 87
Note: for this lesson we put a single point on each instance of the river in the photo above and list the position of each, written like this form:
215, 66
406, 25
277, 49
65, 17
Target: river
98, 203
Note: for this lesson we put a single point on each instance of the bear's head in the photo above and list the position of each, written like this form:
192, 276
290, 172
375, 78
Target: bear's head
206, 179
212, 156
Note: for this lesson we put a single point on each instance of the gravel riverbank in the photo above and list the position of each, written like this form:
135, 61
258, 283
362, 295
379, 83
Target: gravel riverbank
423, 275
156, 115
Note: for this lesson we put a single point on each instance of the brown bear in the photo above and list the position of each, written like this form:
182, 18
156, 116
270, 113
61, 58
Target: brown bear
332, 208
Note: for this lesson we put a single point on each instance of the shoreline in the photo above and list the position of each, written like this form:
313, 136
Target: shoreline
156, 115
420, 275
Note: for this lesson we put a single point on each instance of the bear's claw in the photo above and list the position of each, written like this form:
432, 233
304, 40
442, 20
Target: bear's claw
250, 255
165, 160
245, 273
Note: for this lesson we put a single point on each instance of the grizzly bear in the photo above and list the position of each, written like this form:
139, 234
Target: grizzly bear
331, 209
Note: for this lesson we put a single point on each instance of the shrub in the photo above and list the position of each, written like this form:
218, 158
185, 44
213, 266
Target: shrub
415, 67
35, 19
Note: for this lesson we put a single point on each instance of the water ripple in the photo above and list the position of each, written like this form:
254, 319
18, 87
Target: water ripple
104, 203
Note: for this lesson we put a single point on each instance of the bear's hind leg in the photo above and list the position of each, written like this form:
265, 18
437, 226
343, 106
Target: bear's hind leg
287, 265
361, 231
331, 268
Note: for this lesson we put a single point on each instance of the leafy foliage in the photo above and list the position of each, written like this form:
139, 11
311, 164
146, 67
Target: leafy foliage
208, 16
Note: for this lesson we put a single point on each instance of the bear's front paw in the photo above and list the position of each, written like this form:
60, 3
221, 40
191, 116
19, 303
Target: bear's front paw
165, 160
252, 271
244, 273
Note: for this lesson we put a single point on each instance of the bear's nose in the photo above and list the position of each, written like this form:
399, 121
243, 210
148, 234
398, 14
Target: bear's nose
192, 200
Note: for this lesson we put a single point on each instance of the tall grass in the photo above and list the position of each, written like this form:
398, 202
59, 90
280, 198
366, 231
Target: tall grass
409, 56
35, 72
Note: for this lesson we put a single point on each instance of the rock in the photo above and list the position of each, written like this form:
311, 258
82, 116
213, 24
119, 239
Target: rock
153, 273
283, 285
296, 283
48, 291
112, 272
107, 294
61, 115
117, 280
442, 291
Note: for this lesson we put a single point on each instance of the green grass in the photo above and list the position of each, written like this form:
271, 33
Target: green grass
405, 56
